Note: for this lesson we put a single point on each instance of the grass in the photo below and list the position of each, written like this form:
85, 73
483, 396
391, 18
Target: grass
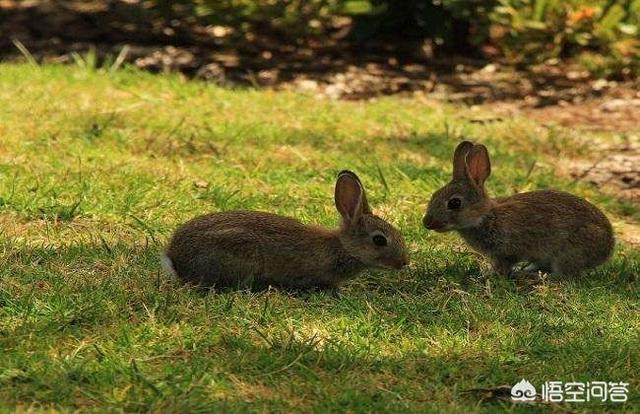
97, 169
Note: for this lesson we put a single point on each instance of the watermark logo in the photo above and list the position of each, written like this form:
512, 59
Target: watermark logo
523, 391
558, 391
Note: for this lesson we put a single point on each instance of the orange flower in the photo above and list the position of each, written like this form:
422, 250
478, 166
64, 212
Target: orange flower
584, 13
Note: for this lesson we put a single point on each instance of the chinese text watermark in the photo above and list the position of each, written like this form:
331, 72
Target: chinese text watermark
558, 391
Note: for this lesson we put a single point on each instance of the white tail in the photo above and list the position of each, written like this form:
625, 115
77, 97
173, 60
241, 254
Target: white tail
167, 266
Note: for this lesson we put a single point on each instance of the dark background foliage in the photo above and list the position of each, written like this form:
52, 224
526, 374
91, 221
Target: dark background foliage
601, 34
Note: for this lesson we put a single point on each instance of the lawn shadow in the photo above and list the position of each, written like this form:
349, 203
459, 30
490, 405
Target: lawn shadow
464, 375
355, 347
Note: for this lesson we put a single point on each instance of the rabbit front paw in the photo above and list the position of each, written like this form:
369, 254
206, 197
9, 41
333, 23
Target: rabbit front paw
503, 266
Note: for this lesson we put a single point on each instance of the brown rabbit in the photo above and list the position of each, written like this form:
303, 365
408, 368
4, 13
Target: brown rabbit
250, 248
554, 231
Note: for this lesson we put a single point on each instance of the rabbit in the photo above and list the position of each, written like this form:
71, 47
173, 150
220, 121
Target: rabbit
556, 232
240, 249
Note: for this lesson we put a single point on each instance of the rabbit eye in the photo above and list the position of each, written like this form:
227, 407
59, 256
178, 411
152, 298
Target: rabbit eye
454, 203
379, 240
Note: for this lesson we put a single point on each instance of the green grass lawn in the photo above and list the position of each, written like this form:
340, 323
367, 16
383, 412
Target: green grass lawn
97, 169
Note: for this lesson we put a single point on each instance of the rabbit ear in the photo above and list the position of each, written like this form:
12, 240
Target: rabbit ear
459, 157
478, 164
350, 198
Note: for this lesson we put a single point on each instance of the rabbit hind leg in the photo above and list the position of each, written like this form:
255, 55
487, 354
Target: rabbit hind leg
503, 265
538, 266
567, 266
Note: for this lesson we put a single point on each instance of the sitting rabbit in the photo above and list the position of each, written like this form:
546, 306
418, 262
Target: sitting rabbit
554, 231
250, 248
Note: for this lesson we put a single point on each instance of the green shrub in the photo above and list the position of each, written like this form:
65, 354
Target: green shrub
603, 35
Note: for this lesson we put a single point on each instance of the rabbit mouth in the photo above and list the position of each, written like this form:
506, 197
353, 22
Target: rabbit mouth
439, 227
397, 264
442, 229
436, 225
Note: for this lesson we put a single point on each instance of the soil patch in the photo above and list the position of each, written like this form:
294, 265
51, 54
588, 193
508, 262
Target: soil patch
617, 169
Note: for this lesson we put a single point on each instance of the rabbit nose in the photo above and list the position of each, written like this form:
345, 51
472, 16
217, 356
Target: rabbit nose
433, 224
399, 262
428, 222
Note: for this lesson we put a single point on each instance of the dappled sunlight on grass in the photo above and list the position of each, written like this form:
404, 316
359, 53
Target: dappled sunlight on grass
97, 170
